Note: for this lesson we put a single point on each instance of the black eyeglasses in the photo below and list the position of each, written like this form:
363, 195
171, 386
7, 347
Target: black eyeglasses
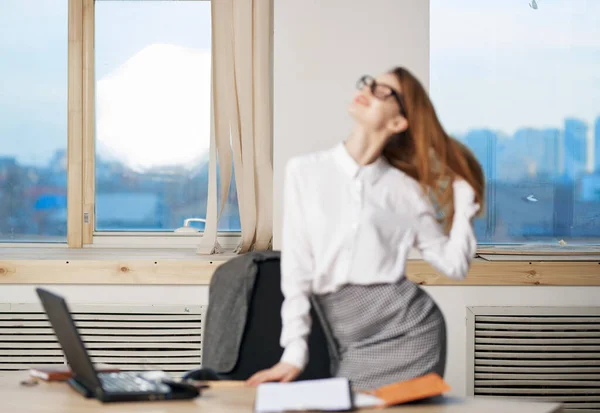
380, 91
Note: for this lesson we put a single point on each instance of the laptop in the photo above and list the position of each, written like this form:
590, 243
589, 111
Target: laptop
106, 387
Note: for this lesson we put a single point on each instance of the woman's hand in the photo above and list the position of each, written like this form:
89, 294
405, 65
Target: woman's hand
464, 198
283, 372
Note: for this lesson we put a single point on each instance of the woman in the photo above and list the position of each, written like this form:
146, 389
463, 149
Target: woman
351, 216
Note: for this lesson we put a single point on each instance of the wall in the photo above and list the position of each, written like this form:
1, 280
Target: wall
111, 294
320, 49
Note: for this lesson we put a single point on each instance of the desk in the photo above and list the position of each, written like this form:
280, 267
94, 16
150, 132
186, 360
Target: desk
60, 398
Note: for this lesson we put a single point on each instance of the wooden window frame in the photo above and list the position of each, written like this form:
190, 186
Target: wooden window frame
81, 151
75, 126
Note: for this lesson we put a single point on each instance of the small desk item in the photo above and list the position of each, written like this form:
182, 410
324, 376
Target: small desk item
56, 397
323, 395
62, 372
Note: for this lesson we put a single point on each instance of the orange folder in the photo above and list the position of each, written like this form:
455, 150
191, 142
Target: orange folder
414, 389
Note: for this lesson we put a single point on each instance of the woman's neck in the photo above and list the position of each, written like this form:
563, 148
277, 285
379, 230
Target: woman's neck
365, 147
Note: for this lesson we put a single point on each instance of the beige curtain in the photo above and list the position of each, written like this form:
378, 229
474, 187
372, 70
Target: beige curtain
241, 44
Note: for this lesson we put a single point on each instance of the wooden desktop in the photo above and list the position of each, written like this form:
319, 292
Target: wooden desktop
223, 397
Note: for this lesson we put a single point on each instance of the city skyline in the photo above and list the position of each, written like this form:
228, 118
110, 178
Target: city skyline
529, 152
503, 66
551, 152
525, 201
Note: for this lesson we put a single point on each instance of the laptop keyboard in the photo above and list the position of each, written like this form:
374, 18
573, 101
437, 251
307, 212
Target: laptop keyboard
130, 383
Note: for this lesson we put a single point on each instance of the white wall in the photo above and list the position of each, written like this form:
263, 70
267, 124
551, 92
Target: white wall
111, 294
320, 48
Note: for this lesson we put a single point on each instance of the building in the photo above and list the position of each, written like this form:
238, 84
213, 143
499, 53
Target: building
575, 147
597, 145
483, 143
534, 153
590, 187
564, 199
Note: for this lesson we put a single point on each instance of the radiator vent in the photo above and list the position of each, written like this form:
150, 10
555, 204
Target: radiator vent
143, 337
549, 354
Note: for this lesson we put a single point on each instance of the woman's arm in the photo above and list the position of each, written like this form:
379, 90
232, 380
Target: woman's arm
450, 254
297, 268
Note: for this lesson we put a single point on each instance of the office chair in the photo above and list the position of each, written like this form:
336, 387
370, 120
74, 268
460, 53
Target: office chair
260, 347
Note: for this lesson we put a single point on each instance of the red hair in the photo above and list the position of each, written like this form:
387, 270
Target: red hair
428, 154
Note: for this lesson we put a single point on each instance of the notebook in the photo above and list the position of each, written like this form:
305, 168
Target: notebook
324, 395
403, 392
336, 395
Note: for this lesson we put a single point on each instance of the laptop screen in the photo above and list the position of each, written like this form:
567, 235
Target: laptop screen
77, 356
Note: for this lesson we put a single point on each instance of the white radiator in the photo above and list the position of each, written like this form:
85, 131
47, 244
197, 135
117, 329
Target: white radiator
542, 353
141, 337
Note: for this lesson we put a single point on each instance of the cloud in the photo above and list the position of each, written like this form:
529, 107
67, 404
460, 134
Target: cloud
154, 110
33, 95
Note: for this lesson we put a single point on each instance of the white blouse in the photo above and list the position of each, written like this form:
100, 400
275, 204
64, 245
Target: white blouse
349, 224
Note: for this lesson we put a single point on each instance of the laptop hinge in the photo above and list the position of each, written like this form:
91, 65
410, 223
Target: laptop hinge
80, 388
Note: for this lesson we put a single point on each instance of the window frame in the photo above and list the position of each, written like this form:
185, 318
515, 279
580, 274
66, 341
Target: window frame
81, 232
81, 152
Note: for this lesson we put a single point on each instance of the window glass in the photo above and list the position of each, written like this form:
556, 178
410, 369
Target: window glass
33, 120
153, 62
519, 82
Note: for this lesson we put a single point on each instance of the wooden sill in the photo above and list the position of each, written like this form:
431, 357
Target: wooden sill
522, 273
185, 267
540, 250
107, 266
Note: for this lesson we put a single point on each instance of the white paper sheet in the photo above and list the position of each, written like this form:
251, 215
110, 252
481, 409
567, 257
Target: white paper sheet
326, 394
363, 401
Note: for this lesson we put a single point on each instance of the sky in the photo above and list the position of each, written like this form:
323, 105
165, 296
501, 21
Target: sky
502, 65
153, 90
152, 60
33, 78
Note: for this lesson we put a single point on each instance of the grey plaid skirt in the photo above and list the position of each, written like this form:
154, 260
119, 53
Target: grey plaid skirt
384, 333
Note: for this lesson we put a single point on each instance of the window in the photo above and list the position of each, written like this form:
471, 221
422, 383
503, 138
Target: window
33, 121
106, 106
153, 88
517, 81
